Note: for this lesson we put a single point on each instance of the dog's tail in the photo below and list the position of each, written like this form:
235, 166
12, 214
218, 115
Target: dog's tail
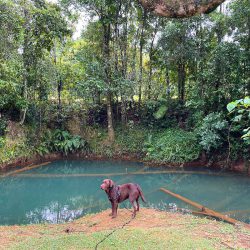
141, 193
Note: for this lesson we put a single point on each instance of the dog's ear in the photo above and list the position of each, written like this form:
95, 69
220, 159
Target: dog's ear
111, 183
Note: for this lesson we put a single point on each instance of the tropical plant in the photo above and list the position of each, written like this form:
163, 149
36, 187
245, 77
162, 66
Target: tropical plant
212, 132
241, 115
61, 141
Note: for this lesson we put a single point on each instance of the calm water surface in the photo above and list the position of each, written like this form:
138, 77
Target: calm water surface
65, 190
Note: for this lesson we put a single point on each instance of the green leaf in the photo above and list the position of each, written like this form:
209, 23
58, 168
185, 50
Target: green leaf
246, 102
161, 112
246, 129
231, 106
237, 118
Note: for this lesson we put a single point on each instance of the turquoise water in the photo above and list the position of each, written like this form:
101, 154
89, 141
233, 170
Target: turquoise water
65, 190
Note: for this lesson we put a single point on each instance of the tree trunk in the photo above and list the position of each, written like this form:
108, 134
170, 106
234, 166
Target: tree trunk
168, 91
141, 58
181, 82
133, 62
201, 61
151, 59
106, 56
59, 106
59, 90
111, 132
218, 69
124, 56
26, 65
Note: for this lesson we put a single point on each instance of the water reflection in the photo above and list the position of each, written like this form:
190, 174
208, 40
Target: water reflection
54, 213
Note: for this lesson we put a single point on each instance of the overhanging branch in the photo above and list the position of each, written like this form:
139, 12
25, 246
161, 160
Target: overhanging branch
180, 8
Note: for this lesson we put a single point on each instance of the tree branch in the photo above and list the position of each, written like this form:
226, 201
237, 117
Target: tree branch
180, 8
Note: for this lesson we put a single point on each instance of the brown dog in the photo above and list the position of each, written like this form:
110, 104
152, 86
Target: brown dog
119, 193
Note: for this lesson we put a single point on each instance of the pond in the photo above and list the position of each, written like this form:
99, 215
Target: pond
65, 190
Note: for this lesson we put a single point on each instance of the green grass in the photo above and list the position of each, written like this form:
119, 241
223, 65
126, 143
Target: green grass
121, 239
151, 229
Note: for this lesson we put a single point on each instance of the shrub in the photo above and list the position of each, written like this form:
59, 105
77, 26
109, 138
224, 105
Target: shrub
212, 132
241, 111
132, 138
173, 145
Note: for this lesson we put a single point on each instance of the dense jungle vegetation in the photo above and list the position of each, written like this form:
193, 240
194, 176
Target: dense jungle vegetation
168, 90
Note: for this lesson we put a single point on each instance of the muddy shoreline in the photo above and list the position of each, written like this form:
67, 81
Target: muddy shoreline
236, 167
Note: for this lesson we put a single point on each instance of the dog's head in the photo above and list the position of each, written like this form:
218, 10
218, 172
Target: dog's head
107, 184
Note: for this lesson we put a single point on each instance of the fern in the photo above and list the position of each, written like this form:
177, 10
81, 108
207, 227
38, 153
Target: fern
61, 141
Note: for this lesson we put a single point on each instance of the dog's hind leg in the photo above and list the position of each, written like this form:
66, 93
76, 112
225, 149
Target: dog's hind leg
138, 205
132, 201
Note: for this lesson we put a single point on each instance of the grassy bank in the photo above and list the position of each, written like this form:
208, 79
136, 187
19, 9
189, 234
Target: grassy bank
150, 229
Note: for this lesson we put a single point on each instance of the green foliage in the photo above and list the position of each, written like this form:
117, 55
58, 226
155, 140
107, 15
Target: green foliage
162, 113
10, 152
132, 138
2, 142
10, 97
212, 132
240, 109
172, 145
3, 126
62, 142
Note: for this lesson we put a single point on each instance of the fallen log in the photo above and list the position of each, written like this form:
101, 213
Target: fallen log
25, 169
102, 174
204, 210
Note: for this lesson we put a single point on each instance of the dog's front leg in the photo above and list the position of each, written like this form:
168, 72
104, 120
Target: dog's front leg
114, 209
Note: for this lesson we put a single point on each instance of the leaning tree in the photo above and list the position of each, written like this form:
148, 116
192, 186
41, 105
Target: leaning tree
180, 8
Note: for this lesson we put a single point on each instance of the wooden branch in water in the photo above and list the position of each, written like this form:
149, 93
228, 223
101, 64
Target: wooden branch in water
25, 169
110, 174
204, 210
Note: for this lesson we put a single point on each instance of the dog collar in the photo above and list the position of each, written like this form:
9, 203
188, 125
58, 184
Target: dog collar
116, 194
